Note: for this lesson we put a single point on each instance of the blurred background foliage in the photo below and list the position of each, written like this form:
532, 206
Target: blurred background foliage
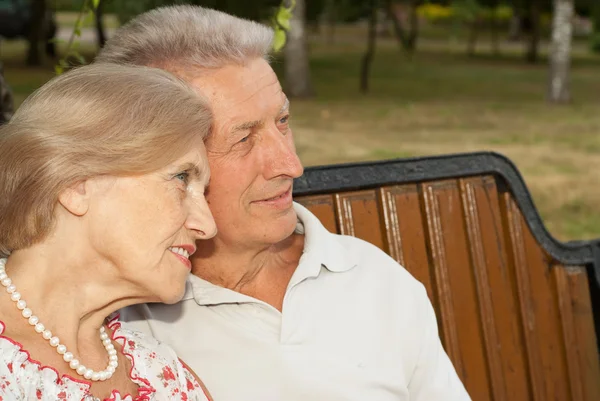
394, 78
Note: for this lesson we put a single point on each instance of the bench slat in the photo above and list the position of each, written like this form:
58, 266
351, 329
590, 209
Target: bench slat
517, 324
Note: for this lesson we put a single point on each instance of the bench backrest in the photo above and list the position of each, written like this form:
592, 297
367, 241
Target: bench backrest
514, 306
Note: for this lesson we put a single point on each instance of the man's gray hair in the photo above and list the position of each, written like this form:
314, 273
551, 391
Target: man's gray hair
184, 37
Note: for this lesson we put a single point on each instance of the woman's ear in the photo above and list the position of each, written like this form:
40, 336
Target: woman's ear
76, 198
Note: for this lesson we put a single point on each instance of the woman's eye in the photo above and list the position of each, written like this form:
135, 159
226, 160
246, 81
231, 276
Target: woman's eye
184, 176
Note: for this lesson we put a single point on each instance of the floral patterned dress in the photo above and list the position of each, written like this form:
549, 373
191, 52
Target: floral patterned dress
155, 369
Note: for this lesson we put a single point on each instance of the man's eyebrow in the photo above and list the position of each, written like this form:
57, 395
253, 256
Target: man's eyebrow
286, 106
246, 126
257, 123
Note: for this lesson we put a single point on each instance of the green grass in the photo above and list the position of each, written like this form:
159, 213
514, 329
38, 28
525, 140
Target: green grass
442, 101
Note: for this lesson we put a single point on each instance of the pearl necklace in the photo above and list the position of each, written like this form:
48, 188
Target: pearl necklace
54, 341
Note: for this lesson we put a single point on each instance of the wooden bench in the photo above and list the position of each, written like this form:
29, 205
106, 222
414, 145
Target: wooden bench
515, 306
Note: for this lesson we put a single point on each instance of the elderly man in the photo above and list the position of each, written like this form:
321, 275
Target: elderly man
277, 308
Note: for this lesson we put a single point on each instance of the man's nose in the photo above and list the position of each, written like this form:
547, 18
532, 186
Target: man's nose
280, 156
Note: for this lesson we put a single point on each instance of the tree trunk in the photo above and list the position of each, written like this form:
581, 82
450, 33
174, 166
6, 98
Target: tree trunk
36, 31
595, 38
414, 26
371, 42
331, 12
532, 54
560, 53
494, 29
297, 70
408, 41
100, 32
6, 99
50, 32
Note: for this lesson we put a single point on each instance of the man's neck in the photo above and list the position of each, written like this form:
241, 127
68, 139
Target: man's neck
262, 273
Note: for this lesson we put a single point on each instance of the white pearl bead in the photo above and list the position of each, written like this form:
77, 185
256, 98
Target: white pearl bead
54, 341
81, 369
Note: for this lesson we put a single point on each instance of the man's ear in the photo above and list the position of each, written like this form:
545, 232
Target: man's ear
76, 198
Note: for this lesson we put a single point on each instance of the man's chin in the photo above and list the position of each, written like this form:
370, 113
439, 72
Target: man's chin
291, 224
281, 228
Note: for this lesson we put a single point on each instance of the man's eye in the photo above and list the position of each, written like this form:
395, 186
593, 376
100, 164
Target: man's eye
245, 139
284, 120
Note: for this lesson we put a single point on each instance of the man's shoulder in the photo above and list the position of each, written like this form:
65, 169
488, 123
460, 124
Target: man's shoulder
372, 262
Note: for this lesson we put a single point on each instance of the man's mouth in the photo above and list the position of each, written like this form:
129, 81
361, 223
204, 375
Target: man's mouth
277, 197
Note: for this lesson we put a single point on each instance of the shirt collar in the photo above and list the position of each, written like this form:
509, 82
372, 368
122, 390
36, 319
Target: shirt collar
321, 249
320, 245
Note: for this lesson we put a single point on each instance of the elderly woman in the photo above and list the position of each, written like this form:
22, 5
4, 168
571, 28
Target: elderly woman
102, 179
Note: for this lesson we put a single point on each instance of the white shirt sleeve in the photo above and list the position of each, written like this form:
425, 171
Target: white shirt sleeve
434, 377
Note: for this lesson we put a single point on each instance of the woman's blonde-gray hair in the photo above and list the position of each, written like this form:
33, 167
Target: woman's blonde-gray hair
95, 120
184, 37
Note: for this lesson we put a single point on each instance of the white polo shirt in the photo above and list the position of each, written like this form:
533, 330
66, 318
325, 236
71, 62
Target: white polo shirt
356, 326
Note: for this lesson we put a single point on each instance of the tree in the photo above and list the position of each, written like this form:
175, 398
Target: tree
494, 27
595, 39
100, 32
407, 39
370, 52
6, 99
560, 53
533, 22
36, 32
297, 70
331, 18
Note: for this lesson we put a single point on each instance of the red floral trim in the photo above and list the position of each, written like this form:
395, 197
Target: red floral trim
59, 378
114, 325
143, 392
185, 368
